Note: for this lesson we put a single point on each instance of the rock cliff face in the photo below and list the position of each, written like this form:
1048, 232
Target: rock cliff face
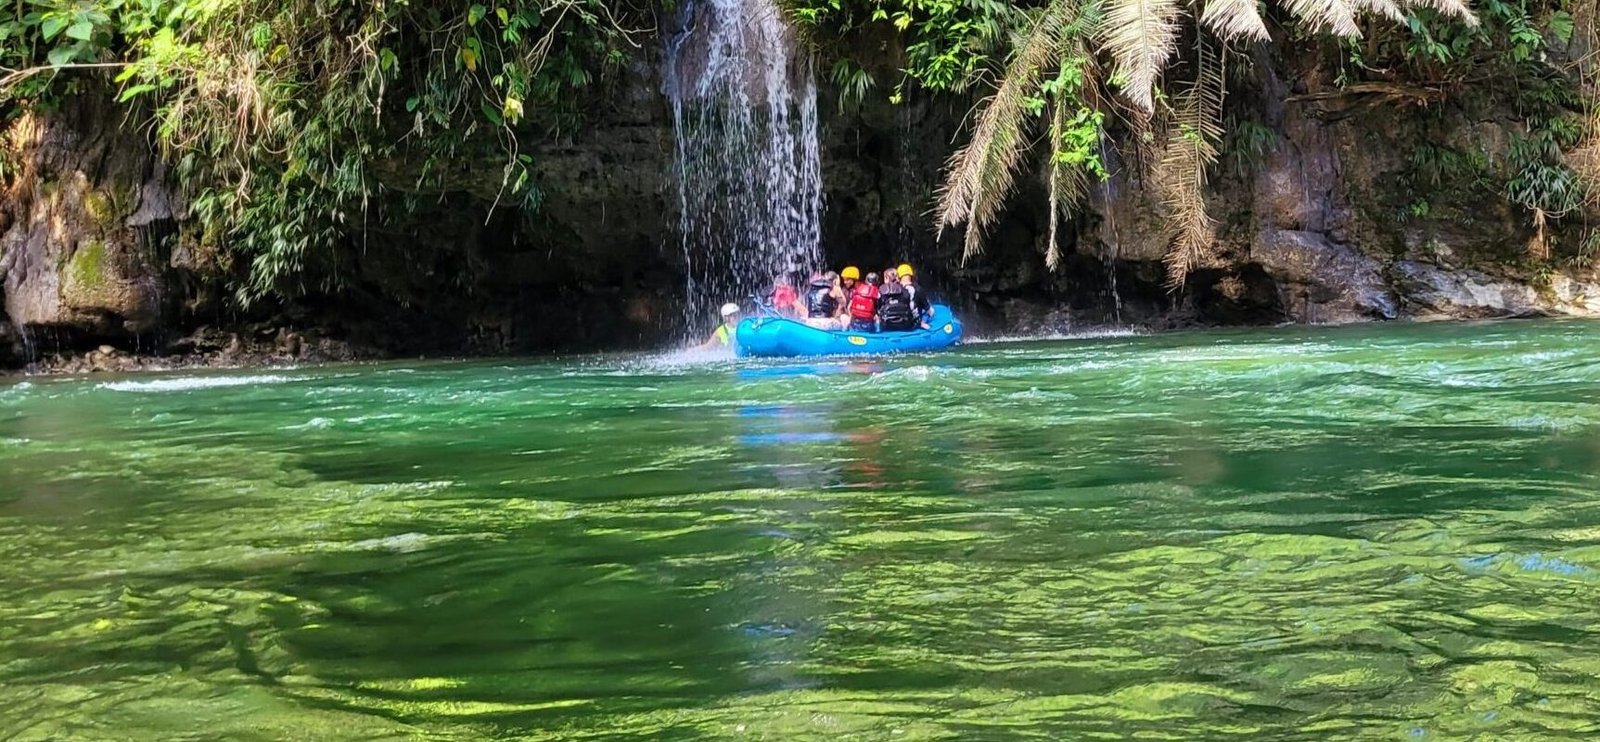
1315, 230
81, 229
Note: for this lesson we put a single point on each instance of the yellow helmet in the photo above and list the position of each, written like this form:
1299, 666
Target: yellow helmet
850, 271
904, 270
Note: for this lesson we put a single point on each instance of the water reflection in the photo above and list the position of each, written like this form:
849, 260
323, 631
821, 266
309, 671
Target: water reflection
1270, 535
856, 368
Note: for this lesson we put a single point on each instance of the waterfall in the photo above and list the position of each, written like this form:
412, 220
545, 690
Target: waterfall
1116, 241
744, 109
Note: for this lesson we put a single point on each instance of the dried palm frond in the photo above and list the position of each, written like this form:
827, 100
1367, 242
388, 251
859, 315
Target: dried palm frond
1337, 17
1539, 244
1068, 185
995, 178
1192, 139
980, 175
1140, 36
1389, 9
1235, 20
1457, 8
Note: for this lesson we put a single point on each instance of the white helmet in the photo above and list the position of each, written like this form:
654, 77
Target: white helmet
730, 309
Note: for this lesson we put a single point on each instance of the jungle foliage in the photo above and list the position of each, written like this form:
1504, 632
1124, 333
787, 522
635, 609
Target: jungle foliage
294, 121
1065, 79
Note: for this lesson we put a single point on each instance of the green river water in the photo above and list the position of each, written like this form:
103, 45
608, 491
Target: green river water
1383, 532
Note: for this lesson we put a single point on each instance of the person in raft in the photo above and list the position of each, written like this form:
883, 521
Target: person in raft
823, 301
864, 305
722, 338
919, 300
895, 313
784, 299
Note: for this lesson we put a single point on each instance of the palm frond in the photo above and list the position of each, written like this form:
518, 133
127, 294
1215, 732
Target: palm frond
1455, 8
1192, 139
980, 174
995, 176
1140, 36
1389, 9
1337, 17
1539, 244
1068, 185
1235, 20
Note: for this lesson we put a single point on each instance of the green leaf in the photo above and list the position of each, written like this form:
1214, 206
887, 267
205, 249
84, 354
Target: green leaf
1561, 25
475, 14
62, 55
52, 26
412, 103
135, 91
502, 15
81, 30
493, 114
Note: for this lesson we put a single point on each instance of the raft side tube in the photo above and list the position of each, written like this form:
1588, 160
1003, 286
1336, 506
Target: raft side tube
769, 337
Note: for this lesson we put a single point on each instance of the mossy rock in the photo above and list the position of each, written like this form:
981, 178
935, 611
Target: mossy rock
102, 209
86, 269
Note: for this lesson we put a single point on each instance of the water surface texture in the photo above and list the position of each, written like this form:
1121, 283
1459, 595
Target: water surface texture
1388, 532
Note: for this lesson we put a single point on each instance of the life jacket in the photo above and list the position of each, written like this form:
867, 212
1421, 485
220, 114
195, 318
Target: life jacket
724, 335
864, 302
820, 303
894, 308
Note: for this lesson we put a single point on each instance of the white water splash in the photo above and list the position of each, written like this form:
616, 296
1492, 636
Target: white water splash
1106, 332
744, 107
190, 383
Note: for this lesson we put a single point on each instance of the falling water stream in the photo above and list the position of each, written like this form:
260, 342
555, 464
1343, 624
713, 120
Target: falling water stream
744, 106
1116, 241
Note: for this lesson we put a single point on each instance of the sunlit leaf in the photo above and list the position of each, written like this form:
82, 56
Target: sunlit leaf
52, 26
62, 55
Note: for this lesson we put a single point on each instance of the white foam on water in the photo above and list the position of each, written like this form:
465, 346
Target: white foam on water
192, 383
403, 543
315, 423
1106, 332
359, 419
1547, 422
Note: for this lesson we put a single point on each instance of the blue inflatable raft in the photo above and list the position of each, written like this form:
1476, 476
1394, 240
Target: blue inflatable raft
776, 336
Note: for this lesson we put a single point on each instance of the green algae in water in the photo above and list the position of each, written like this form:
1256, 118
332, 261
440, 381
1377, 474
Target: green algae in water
1383, 532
